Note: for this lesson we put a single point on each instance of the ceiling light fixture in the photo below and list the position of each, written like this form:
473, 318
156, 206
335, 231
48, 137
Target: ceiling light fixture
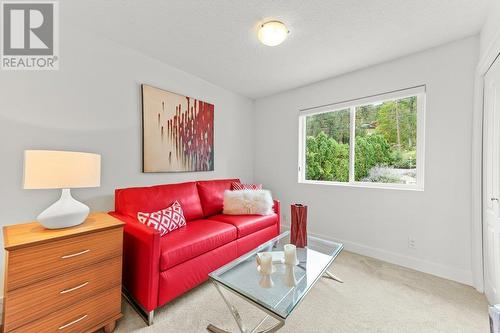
272, 33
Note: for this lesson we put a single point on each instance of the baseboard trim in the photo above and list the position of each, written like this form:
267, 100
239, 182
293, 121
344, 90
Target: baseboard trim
425, 266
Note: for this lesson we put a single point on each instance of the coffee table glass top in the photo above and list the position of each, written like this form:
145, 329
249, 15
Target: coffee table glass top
242, 277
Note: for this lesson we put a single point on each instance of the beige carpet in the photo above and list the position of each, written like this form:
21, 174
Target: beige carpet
376, 297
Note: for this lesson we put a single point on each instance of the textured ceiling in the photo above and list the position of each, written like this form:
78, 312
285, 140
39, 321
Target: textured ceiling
216, 40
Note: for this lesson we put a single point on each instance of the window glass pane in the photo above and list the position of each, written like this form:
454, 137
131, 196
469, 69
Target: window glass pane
327, 146
386, 142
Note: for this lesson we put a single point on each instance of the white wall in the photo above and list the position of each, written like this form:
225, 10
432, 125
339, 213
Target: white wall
93, 104
378, 222
491, 27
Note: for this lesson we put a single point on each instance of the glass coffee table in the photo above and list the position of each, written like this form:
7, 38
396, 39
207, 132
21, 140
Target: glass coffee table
242, 278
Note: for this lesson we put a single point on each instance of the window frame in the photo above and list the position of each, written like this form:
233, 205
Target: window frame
418, 91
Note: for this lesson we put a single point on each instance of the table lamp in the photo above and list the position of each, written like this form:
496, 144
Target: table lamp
47, 169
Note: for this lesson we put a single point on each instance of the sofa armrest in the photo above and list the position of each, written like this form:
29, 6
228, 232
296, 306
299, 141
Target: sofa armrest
277, 210
141, 261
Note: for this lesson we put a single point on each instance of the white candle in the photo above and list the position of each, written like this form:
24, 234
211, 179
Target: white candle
290, 254
266, 281
266, 263
289, 279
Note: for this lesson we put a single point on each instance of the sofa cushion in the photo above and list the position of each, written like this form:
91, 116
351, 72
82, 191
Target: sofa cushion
235, 186
212, 194
165, 220
248, 202
130, 201
196, 238
247, 224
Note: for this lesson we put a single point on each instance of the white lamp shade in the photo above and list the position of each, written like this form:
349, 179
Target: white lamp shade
47, 169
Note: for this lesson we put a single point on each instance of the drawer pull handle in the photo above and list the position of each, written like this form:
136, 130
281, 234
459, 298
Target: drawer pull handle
74, 254
73, 289
73, 322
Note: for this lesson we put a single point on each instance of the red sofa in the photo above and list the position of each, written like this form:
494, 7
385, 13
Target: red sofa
158, 269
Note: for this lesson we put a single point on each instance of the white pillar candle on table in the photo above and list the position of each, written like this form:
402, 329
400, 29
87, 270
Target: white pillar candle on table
266, 281
290, 254
266, 263
289, 279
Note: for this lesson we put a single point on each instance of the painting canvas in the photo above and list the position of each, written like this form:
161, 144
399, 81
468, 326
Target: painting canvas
178, 132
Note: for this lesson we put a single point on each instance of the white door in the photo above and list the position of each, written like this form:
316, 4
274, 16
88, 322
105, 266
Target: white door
491, 183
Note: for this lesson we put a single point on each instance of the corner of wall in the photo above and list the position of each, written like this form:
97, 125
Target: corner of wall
253, 145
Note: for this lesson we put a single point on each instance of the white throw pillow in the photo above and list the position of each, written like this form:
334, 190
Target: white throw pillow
259, 202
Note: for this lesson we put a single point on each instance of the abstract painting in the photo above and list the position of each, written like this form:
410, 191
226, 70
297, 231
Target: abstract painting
178, 132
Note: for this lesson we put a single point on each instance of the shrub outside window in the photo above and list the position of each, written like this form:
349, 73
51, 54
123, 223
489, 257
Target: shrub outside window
377, 141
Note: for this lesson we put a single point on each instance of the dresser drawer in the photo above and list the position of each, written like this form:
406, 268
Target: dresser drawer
32, 302
35, 263
80, 317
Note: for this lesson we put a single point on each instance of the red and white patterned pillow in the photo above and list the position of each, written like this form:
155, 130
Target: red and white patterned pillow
235, 186
165, 220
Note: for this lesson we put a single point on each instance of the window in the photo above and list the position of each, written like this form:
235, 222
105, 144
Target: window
376, 141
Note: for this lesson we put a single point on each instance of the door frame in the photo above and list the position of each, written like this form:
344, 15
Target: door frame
477, 258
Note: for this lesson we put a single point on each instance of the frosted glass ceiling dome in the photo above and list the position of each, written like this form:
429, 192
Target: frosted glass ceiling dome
272, 33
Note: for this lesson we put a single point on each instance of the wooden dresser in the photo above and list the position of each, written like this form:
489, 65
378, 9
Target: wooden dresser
65, 280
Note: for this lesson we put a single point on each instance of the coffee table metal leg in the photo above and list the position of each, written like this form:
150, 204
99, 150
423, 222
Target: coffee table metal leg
333, 277
275, 328
215, 329
232, 309
239, 321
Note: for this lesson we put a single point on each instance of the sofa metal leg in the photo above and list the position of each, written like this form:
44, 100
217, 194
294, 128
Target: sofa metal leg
147, 316
150, 317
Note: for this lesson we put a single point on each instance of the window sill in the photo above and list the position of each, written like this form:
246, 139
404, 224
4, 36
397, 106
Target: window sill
403, 187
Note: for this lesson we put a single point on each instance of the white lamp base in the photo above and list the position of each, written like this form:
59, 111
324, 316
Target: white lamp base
64, 213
